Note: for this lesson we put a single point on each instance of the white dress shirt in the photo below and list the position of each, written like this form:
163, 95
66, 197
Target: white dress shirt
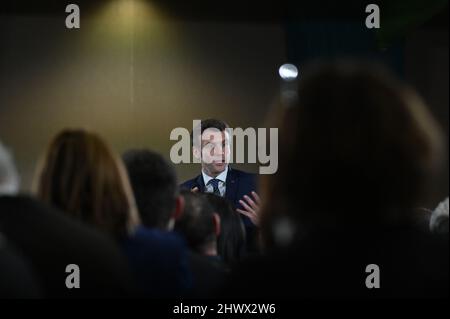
222, 177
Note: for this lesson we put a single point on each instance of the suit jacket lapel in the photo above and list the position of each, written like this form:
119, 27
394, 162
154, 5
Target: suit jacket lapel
231, 186
200, 183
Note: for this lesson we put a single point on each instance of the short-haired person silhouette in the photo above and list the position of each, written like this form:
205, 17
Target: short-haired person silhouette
154, 184
199, 224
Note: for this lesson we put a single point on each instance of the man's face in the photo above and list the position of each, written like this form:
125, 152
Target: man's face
215, 151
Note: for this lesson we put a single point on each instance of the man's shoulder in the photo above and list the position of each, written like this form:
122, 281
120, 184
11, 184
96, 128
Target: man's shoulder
242, 175
154, 242
152, 235
189, 183
236, 173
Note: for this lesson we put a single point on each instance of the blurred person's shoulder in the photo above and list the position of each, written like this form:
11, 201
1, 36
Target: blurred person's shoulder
159, 238
51, 240
17, 279
190, 183
242, 174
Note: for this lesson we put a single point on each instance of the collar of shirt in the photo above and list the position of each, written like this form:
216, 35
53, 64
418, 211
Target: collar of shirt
221, 177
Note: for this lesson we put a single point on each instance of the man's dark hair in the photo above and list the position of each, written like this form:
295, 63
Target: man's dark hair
196, 224
210, 123
154, 183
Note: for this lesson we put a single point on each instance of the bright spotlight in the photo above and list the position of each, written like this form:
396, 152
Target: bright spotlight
288, 72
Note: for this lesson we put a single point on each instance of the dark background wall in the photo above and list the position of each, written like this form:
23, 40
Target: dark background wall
412, 43
427, 69
132, 73
137, 69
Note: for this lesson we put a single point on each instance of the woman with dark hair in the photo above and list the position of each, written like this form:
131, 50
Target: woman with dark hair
231, 240
82, 177
356, 153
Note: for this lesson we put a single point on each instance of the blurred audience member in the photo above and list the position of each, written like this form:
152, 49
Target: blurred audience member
81, 176
154, 183
9, 178
16, 277
439, 218
50, 242
85, 179
356, 154
200, 226
231, 239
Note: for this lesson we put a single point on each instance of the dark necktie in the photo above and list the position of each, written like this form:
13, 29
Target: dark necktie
215, 184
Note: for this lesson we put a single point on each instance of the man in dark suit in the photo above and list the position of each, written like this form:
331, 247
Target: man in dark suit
219, 178
237, 185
